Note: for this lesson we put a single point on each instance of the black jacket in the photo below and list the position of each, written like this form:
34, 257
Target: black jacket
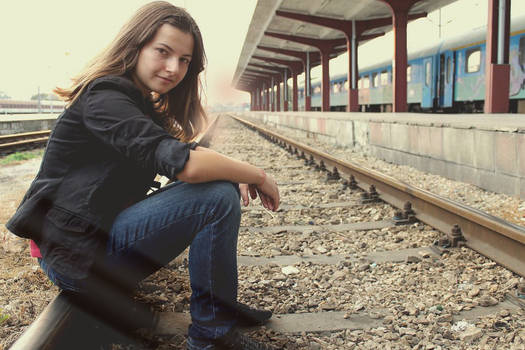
102, 156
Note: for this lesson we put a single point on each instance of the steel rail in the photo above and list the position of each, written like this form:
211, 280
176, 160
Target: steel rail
22, 136
11, 143
15, 144
56, 327
495, 238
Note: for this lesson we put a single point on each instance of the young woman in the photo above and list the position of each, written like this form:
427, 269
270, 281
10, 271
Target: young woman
132, 114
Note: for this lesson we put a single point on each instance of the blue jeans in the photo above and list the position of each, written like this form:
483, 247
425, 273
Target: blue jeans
152, 232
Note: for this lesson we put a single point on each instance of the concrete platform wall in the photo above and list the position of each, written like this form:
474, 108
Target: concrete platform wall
19, 123
484, 150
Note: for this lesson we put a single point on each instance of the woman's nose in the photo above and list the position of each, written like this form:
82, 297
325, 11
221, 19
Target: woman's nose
172, 65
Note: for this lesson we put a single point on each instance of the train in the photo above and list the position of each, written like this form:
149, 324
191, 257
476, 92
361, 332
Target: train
446, 77
29, 107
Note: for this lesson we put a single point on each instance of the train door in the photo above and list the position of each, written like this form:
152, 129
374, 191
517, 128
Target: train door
446, 79
426, 100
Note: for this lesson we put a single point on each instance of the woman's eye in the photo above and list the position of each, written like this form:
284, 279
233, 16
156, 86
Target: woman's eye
162, 51
185, 60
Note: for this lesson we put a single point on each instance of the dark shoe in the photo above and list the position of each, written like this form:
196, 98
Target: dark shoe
249, 317
233, 340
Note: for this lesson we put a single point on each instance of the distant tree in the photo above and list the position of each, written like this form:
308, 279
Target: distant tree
4, 96
44, 96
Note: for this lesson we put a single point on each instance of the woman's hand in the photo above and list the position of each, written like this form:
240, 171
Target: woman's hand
267, 191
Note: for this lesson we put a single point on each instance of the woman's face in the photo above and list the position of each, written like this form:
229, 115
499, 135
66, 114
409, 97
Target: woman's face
164, 61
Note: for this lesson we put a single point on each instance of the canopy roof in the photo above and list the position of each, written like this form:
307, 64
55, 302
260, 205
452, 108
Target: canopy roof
265, 20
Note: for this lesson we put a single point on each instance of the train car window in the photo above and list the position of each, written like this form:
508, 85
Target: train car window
360, 83
346, 85
449, 70
384, 78
473, 61
366, 82
317, 90
521, 53
409, 73
336, 88
428, 73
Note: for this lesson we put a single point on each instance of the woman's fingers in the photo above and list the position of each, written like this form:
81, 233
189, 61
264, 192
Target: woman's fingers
243, 188
267, 201
253, 191
271, 192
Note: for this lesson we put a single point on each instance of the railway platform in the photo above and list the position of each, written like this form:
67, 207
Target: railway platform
487, 150
22, 123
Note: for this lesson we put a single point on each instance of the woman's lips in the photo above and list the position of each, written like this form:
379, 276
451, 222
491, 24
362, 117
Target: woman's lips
166, 80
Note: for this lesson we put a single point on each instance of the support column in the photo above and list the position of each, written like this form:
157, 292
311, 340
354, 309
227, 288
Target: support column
278, 96
399, 65
295, 95
272, 97
400, 10
307, 84
263, 97
353, 92
267, 91
325, 82
497, 68
285, 92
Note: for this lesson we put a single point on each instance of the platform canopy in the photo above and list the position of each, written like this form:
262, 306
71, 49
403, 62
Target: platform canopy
268, 20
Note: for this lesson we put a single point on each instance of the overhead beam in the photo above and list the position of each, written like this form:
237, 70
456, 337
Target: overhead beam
353, 31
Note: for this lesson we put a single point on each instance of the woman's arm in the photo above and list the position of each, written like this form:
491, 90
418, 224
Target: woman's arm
206, 165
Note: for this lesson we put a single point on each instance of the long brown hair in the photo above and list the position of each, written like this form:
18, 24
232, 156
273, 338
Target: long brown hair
180, 109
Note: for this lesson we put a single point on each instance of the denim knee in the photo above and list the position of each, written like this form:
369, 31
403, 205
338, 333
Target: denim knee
227, 198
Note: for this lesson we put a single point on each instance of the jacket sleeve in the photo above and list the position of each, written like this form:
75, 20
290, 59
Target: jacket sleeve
112, 115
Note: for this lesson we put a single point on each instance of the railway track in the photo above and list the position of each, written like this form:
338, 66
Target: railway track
23, 141
346, 266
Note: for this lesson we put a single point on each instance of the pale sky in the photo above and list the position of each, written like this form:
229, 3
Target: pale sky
45, 42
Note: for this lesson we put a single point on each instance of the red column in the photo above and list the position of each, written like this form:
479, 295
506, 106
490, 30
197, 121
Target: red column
325, 82
278, 99
285, 92
267, 91
272, 97
353, 93
497, 74
399, 65
295, 97
307, 101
